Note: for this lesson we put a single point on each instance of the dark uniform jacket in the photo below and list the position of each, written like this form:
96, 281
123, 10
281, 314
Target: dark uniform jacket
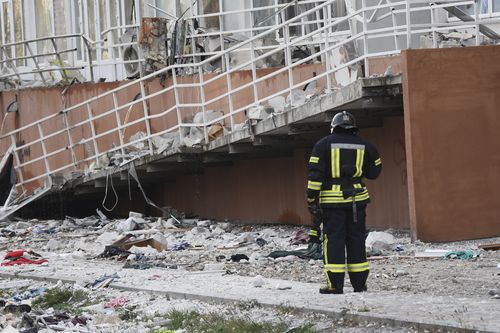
337, 166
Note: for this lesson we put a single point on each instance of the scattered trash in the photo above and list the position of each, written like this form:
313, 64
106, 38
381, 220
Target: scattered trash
431, 253
490, 247
313, 251
399, 248
104, 281
463, 255
300, 237
116, 303
22, 257
79, 320
380, 240
261, 242
239, 257
184, 245
29, 294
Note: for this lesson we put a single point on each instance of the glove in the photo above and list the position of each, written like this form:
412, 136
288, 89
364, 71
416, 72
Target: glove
315, 235
315, 211
315, 232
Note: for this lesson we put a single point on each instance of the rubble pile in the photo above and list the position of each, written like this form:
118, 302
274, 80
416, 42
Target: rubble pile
199, 246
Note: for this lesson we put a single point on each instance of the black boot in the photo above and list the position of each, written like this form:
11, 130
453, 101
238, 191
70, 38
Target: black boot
336, 280
358, 280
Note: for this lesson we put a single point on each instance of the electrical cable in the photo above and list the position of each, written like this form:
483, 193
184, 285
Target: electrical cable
108, 173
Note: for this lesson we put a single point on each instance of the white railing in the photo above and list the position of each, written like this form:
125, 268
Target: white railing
38, 64
84, 127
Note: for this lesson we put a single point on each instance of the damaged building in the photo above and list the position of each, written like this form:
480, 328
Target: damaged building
211, 107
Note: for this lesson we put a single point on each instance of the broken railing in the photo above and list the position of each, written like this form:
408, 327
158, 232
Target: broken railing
93, 134
53, 58
261, 19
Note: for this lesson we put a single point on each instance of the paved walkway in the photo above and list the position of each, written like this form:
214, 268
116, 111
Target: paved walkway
394, 308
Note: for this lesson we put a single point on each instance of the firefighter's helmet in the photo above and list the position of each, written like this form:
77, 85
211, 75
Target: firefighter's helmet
343, 120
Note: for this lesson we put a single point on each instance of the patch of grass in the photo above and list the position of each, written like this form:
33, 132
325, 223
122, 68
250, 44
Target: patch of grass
128, 313
248, 305
287, 310
195, 322
364, 309
63, 299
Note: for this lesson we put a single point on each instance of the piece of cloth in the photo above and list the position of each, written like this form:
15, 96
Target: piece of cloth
23, 257
463, 255
104, 281
32, 293
313, 251
300, 237
116, 303
238, 257
341, 235
23, 261
114, 251
181, 246
79, 320
336, 169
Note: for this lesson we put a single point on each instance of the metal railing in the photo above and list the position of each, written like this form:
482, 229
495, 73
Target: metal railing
84, 127
50, 60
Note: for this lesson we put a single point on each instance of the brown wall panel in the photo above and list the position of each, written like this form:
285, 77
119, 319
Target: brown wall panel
389, 193
259, 190
452, 99
273, 189
379, 65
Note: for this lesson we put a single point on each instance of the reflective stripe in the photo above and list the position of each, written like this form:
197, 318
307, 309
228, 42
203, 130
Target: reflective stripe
335, 268
360, 158
313, 233
325, 248
335, 163
311, 199
360, 267
314, 159
314, 185
335, 195
378, 161
347, 146
334, 200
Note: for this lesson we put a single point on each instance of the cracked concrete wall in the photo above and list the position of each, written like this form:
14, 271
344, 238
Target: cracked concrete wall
451, 102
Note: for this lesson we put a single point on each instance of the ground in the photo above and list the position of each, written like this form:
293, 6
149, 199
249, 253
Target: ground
201, 289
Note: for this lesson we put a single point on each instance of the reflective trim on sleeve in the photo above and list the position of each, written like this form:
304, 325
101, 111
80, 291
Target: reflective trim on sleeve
360, 267
314, 159
311, 185
313, 233
378, 161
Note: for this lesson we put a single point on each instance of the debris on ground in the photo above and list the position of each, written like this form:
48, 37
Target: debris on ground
153, 245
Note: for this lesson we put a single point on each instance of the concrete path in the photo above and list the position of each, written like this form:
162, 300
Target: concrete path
393, 308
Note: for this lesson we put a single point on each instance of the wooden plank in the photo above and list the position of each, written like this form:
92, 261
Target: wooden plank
490, 247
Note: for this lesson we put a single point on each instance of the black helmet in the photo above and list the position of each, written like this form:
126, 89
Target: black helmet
343, 120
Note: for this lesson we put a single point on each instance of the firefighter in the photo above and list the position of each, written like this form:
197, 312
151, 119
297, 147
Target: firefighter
337, 198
